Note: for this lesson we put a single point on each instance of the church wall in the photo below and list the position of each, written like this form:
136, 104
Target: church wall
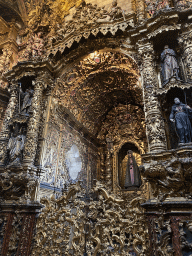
67, 158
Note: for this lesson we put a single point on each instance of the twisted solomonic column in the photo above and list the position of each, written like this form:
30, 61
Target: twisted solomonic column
154, 121
185, 41
33, 124
4, 134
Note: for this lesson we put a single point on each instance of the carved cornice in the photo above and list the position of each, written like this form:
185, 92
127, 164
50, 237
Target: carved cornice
77, 34
164, 28
173, 83
28, 69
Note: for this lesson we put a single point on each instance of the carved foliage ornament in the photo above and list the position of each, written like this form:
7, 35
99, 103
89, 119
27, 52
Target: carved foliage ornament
105, 225
169, 178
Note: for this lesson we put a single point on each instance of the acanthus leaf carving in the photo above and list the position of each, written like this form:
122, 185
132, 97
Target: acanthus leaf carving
92, 225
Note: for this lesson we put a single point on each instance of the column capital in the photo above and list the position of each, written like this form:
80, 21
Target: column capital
145, 48
44, 79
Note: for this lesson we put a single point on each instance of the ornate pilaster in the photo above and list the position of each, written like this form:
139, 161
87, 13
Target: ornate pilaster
154, 121
185, 41
18, 228
4, 135
33, 125
108, 170
102, 165
44, 123
140, 8
108, 162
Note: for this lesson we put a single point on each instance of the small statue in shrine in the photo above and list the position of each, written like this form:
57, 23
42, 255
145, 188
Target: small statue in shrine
15, 146
132, 177
27, 101
116, 12
180, 116
170, 67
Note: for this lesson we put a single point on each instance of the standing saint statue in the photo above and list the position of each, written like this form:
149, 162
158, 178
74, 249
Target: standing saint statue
179, 115
27, 101
15, 146
132, 177
170, 67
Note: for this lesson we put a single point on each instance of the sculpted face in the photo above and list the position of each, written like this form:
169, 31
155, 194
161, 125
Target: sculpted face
177, 100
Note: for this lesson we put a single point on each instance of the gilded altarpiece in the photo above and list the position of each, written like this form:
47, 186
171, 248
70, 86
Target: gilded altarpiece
87, 54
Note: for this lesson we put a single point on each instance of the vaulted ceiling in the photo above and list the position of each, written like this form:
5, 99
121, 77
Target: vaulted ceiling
95, 85
13, 10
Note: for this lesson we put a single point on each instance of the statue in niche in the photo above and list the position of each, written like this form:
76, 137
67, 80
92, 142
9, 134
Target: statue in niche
26, 98
16, 145
170, 67
132, 176
116, 12
180, 116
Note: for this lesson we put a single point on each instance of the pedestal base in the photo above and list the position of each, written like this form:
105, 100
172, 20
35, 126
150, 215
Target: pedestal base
17, 222
170, 226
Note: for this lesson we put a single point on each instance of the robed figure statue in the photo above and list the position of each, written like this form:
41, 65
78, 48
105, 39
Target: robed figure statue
15, 146
25, 101
170, 67
180, 116
132, 177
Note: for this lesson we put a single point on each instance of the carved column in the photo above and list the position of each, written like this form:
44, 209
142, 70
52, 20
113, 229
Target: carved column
108, 162
154, 121
108, 170
43, 127
33, 125
4, 134
140, 8
102, 165
185, 41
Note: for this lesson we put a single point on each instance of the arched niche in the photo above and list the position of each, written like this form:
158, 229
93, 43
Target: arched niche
167, 101
129, 159
120, 161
